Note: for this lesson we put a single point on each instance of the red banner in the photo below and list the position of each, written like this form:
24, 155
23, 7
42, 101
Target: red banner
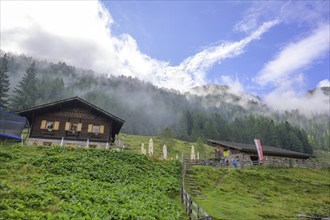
259, 149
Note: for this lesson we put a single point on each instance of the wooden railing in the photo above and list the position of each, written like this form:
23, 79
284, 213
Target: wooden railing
193, 210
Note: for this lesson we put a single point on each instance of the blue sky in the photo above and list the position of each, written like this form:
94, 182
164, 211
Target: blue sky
172, 31
274, 49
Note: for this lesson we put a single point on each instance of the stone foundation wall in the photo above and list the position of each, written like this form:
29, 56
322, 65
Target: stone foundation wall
56, 142
243, 158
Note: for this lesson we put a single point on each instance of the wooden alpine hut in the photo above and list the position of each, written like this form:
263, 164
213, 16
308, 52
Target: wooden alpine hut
72, 121
225, 150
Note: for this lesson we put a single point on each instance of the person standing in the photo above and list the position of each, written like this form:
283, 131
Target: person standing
235, 163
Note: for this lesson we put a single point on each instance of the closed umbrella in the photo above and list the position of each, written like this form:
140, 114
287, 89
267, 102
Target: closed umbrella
151, 148
165, 151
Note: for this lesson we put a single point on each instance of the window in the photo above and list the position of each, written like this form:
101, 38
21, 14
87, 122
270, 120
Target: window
96, 129
49, 125
73, 127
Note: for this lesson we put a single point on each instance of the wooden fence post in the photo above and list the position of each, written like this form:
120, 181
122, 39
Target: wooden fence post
190, 207
181, 194
197, 212
187, 205
182, 180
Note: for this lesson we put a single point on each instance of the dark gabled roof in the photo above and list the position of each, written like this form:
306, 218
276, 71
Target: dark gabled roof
267, 150
67, 101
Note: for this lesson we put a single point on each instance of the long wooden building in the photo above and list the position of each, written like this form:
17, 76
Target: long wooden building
72, 121
248, 152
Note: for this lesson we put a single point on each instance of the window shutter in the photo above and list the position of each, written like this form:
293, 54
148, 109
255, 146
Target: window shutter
67, 126
90, 128
101, 129
56, 125
79, 126
43, 124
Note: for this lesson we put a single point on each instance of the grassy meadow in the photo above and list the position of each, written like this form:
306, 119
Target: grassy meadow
321, 156
79, 183
260, 192
177, 147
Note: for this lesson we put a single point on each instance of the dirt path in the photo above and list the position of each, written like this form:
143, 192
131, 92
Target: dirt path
222, 178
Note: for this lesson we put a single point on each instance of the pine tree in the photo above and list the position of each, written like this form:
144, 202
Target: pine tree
303, 136
166, 137
4, 82
25, 94
209, 130
190, 122
200, 147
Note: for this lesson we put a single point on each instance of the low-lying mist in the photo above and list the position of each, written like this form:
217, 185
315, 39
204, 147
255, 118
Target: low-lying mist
148, 109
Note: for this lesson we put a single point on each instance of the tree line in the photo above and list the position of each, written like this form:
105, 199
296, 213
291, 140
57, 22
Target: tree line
195, 124
25, 93
148, 110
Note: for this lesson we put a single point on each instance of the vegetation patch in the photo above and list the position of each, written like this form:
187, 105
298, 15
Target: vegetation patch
63, 183
174, 146
261, 192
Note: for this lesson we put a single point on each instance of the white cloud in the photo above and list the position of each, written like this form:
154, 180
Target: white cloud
79, 33
283, 73
254, 16
309, 13
295, 57
198, 65
290, 100
323, 83
234, 84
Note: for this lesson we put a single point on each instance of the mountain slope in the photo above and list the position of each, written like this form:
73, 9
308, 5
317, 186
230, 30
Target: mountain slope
207, 111
218, 95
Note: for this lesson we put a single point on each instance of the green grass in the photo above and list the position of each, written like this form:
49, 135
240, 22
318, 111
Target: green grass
77, 183
69, 182
321, 156
134, 143
262, 192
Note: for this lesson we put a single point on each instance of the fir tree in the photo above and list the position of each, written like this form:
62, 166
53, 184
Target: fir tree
4, 82
25, 94
189, 121
166, 137
200, 147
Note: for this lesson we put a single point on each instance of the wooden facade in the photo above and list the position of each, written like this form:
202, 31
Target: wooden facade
248, 153
72, 119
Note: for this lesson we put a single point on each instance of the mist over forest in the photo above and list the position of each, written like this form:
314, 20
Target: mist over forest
210, 111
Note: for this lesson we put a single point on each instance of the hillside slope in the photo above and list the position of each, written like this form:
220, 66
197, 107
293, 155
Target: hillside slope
261, 192
207, 111
66, 183
174, 146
